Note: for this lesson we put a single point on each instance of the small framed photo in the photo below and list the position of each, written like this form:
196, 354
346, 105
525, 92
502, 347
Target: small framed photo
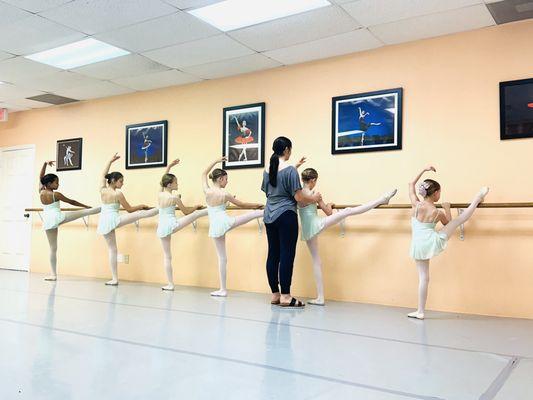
367, 122
146, 145
69, 154
516, 109
243, 141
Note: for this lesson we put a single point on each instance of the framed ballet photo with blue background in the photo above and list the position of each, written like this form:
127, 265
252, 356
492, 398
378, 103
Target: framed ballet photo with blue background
146, 145
516, 109
367, 122
69, 154
243, 140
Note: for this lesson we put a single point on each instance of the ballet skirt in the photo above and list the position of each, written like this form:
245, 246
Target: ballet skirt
311, 223
109, 218
167, 221
52, 215
426, 242
219, 221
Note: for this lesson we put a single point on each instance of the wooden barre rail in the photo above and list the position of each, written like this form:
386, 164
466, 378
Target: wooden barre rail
341, 206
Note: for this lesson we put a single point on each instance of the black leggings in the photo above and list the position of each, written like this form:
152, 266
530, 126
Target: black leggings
282, 237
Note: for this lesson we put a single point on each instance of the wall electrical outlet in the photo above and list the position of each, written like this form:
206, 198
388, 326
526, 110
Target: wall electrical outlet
123, 258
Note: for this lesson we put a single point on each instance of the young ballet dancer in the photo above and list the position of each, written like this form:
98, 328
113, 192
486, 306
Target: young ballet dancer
52, 214
427, 241
283, 190
219, 221
112, 199
168, 223
312, 224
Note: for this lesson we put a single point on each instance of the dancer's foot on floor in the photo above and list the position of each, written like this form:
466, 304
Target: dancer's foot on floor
416, 315
169, 287
219, 293
52, 278
317, 302
112, 282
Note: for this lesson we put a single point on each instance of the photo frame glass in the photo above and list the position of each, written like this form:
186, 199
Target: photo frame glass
69, 154
516, 109
146, 145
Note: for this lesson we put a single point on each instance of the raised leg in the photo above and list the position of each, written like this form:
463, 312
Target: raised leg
245, 218
51, 234
466, 214
423, 284
111, 241
339, 216
312, 244
73, 215
189, 219
137, 215
166, 242
220, 244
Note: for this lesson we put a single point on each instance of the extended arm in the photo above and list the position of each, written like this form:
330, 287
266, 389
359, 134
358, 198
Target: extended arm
412, 185
62, 197
106, 169
205, 179
43, 172
129, 208
232, 199
172, 164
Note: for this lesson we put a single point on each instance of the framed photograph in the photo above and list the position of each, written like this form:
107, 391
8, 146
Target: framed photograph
516, 109
69, 154
367, 122
146, 145
243, 140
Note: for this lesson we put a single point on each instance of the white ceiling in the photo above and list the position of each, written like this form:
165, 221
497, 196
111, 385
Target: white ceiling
171, 47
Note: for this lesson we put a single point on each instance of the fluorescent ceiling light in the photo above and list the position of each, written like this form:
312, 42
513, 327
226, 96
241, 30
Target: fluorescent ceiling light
234, 14
87, 51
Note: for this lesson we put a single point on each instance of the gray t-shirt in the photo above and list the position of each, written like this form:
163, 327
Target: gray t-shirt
281, 197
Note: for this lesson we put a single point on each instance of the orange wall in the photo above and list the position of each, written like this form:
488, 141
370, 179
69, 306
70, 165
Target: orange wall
451, 120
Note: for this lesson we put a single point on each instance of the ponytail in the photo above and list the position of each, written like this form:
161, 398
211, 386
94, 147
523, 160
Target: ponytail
278, 147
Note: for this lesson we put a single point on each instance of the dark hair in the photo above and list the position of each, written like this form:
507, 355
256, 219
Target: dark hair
432, 187
308, 174
278, 147
48, 179
217, 173
113, 176
167, 179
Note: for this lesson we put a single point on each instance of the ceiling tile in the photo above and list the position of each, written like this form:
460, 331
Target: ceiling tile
36, 5
235, 66
300, 28
35, 34
13, 108
58, 81
25, 103
9, 92
160, 32
10, 14
202, 51
188, 4
345, 43
19, 68
374, 12
121, 67
97, 90
444, 23
95, 16
5, 56
157, 80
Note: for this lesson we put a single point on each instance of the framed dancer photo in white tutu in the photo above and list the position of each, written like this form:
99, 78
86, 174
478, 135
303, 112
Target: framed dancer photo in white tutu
367, 122
69, 154
516, 109
147, 145
243, 141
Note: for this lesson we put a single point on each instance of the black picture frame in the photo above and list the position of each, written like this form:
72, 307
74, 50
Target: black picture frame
141, 157
69, 151
516, 109
346, 139
235, 138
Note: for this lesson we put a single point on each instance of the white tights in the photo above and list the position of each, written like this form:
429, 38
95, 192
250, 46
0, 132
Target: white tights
111, 239
166, 243
51, 235
423, 265
220, 245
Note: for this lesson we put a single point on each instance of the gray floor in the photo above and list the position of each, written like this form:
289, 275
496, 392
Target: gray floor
78, 339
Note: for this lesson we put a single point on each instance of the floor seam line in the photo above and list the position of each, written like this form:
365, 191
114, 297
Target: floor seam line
500, 380
226, 359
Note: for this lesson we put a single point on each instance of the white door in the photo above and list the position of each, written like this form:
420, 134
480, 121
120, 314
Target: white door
17, 187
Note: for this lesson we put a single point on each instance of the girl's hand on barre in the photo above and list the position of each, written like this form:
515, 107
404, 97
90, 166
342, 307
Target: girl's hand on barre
446, 206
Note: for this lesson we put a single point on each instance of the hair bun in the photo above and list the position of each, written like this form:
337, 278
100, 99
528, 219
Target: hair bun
107, 176
210, 176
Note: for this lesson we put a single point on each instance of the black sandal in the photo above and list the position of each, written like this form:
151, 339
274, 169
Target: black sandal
293, 304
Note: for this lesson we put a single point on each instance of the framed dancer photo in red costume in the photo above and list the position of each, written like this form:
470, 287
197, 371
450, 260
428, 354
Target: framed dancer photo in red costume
69, 154
147, 145
243, 140
367, 122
